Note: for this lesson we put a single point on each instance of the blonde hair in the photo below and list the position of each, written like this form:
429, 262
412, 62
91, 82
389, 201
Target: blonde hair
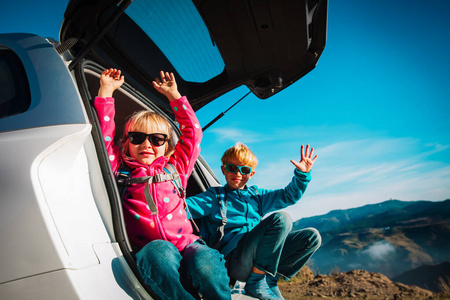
242, 153
147, 121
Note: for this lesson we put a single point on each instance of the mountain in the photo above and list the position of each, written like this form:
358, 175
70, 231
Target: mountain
425, 277
391, 237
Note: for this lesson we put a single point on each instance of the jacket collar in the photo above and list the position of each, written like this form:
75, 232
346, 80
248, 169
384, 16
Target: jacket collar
158, 163
245, 189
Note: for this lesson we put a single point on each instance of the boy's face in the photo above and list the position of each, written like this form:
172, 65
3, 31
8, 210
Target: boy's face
236, 181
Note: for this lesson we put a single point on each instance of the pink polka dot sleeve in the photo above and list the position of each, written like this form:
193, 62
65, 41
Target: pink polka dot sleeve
106, 112
187, 149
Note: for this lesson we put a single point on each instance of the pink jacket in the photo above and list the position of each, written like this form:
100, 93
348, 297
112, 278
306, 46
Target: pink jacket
171, 223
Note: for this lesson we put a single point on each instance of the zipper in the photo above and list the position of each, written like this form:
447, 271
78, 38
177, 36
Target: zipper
246, 205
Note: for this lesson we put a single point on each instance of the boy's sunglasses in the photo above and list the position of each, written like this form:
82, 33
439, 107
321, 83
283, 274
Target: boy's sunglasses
245, 170
156, 139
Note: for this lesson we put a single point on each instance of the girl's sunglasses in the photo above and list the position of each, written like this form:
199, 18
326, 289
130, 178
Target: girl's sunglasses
244, 170
156, 139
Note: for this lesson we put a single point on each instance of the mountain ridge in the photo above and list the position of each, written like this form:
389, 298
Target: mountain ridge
391, 237
379, 215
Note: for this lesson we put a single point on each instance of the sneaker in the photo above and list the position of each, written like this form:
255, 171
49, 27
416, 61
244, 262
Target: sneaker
257, 287
272, 282
238, 288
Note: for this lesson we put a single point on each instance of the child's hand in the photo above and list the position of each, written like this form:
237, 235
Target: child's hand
110, 80
306, 161
167, 86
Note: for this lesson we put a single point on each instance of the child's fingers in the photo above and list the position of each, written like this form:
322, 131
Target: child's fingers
107, 72
311, 153
117, 75
165, 76
112, 73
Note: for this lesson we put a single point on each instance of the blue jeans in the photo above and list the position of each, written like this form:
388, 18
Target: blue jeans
197, 270
272, 247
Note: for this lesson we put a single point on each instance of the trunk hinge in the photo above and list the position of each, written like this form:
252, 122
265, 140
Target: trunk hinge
122, 6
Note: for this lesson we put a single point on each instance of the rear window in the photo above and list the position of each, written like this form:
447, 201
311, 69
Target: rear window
179, 31
14, 88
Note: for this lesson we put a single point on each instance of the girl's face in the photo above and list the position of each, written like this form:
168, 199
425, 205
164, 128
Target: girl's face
145, 153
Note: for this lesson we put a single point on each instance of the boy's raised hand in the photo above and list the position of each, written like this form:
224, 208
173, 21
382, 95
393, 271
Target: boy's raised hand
110, 80
306, 161
167, 86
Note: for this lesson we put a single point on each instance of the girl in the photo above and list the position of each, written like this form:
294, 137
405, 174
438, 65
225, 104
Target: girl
173, 261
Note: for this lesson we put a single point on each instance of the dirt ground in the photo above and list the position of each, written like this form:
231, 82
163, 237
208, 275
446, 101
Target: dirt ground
356, 284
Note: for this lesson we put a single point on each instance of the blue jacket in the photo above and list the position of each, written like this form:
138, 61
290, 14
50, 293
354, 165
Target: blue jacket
245, 208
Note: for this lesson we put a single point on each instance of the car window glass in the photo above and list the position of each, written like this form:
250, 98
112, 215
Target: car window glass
14, 89
179, 31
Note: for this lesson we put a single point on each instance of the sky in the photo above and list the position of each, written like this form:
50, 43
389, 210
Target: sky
376, 107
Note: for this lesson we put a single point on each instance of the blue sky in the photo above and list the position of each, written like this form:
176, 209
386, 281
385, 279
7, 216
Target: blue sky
376, 108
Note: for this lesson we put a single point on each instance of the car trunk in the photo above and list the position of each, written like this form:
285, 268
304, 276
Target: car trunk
211, 46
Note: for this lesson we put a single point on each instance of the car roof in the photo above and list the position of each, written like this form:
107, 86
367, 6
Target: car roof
211, 46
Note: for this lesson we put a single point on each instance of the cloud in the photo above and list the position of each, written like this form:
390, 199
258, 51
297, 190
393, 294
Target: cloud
233, 134
379, 250
354, 173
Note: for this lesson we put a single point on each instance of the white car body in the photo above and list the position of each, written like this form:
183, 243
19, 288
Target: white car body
54, 210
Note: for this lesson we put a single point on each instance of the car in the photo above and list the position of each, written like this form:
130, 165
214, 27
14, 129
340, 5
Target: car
63, 234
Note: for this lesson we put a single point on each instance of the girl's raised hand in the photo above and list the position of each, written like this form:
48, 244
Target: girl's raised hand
110, 80
306, 161
167, 86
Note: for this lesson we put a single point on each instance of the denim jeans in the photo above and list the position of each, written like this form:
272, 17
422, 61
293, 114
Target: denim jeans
272, 247
197, 271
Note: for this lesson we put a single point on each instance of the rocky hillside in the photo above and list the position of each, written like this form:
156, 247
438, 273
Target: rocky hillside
355, 284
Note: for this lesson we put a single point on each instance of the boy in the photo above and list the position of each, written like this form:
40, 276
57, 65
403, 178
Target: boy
257, 251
